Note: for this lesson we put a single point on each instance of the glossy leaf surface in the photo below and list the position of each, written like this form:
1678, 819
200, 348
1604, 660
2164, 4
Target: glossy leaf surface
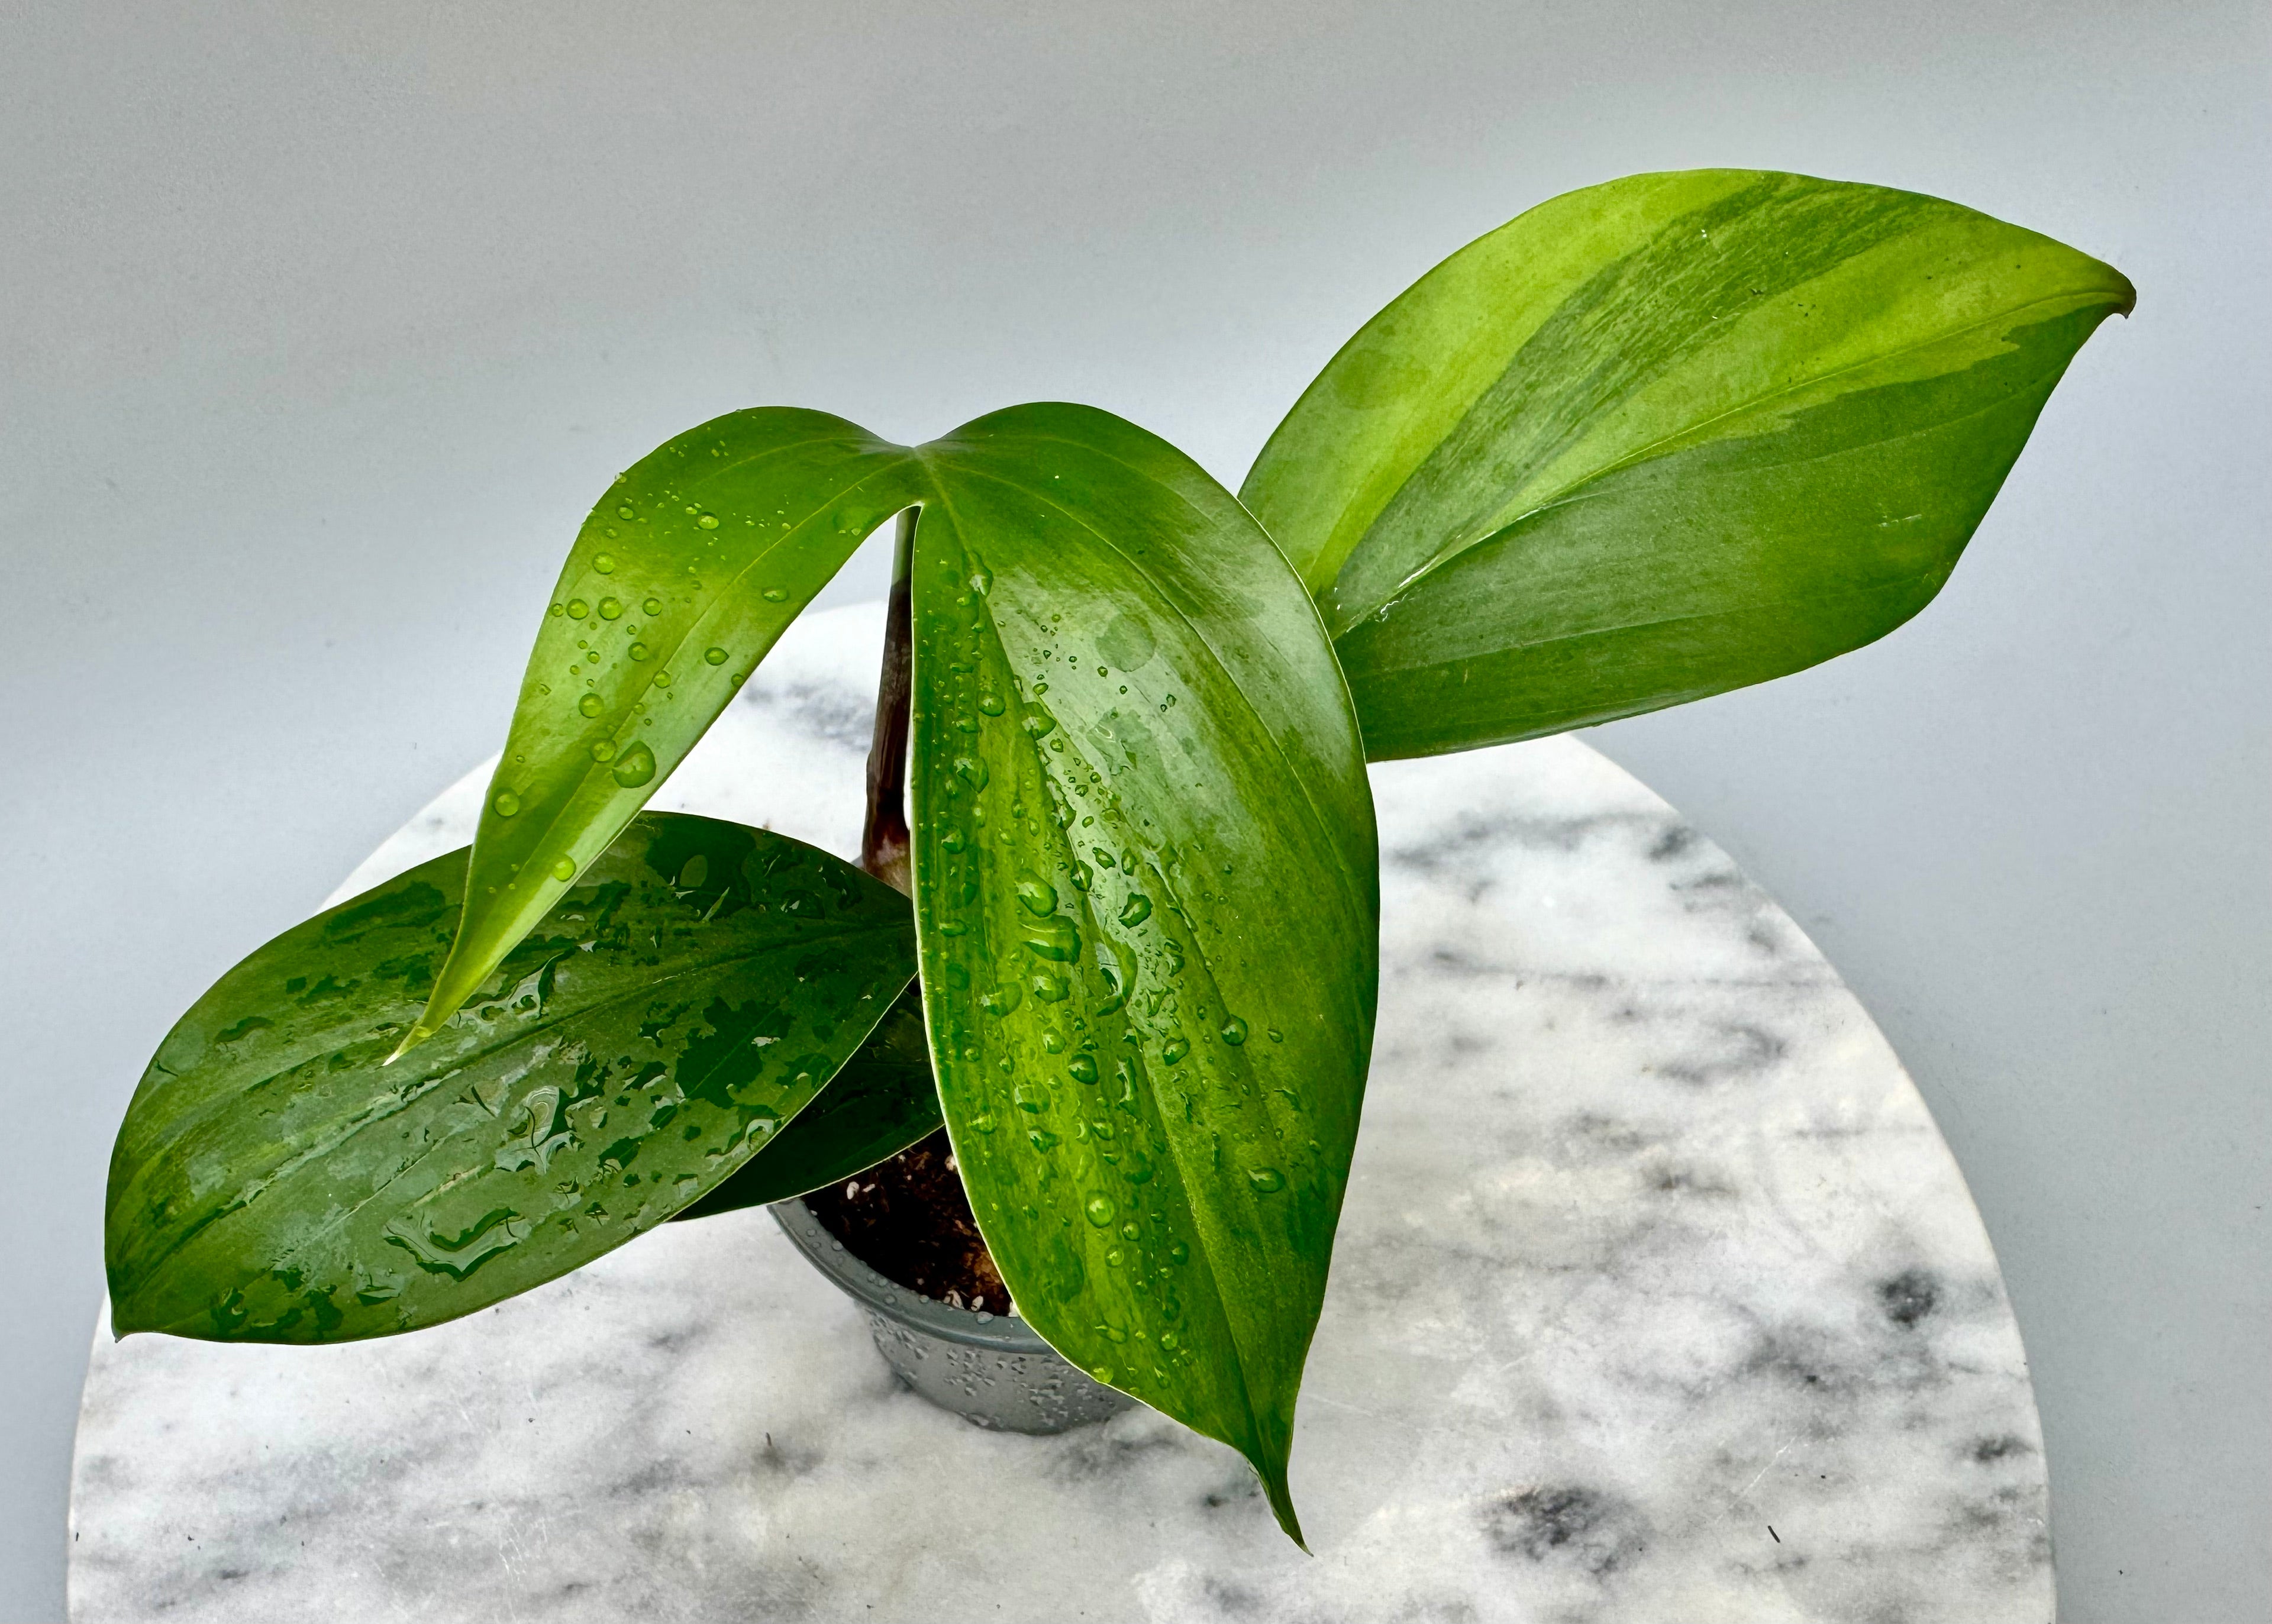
882, 1101
687, 572
275, 1182
1663, 437
1147, 895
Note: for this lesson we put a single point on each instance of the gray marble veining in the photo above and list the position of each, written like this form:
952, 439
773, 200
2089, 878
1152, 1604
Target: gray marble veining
1658, 1298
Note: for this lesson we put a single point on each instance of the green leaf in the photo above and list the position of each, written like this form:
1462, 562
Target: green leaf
882, 1102
687, 572
1661, 438
274, 1183
1147, 895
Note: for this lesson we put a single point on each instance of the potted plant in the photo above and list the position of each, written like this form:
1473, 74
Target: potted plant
1652, 440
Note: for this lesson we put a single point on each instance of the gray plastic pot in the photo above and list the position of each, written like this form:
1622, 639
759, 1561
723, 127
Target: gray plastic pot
988, 1369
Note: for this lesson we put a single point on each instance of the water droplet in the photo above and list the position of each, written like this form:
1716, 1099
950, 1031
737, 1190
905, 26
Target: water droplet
1051, 1042
1002, 999
990, 703
1113, 1260
590, 705
662, 679
1055, 938
1048, 988
558, 609
1175, 1048
1101, 1373
564, 869
1265, 1180
505, 804
983, 1122
697, 871
982, 580
1233, 1031
1039, 895
653, 606
1042, 1139
774, 595
611, 608
1101, 1211
972, 769
1136, 910
625, 511
709, 521
636, 766
605, 562
952, 927
1083, 1067
1179, 1253
1276, 1036
714, 656
1168, 1341
640, 651
578, 609
604, 751
1129, 1231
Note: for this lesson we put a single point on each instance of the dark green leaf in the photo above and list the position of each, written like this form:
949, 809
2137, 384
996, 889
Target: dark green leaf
274, 1182
1663, 437
882, 1102
1147, 895
686, 573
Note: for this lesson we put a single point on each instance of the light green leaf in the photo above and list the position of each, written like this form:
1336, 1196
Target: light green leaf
882, 1101
1146, 889
687, 570
1661, 438
274, 1183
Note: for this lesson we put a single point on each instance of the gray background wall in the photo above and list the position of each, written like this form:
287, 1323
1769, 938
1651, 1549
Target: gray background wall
324, 324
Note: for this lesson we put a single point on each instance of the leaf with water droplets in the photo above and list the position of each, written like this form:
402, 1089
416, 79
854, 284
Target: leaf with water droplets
879, 1103
1108, 1211
1663, 437
717, 594
273, 1181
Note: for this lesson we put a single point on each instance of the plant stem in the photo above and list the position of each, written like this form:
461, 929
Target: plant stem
884, 844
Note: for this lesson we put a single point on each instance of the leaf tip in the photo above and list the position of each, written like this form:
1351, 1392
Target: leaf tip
1272, 1471
1281, 1507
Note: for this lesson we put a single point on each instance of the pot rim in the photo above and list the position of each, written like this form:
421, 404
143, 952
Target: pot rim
972, 1328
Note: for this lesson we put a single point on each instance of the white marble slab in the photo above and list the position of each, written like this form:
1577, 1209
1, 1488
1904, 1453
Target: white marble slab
1658, 1298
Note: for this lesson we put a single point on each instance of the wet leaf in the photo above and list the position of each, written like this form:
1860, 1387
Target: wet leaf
1146, 889
689, 567
694, 990
882, 1101
1663, 437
